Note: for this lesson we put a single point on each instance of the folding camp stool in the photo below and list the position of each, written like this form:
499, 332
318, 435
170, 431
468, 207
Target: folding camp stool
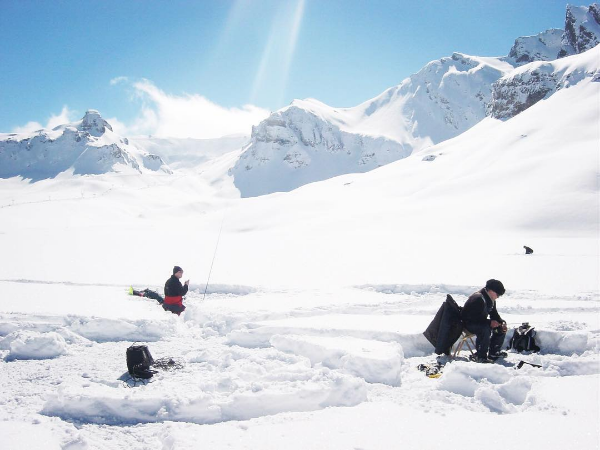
466, 338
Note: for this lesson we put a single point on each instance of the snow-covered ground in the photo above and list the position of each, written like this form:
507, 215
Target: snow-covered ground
310, 333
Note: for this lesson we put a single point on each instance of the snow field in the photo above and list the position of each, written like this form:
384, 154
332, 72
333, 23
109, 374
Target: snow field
307, 357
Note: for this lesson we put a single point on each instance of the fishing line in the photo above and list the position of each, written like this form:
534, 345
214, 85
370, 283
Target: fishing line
213, 258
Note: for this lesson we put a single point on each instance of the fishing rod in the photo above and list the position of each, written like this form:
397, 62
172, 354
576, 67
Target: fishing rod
213, 258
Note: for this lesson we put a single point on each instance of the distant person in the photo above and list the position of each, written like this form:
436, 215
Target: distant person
174, 292
490, 331
528, 250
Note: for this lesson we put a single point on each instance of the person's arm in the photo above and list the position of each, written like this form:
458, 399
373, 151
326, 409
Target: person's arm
494, 314
476, 311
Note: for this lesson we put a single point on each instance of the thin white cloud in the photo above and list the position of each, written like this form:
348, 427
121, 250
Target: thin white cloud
54, 120
185, 116
118, 80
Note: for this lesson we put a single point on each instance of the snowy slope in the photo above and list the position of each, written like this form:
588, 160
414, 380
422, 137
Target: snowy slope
88, 146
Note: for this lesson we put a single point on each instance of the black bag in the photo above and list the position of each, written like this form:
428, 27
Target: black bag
139, 361
523, 339
446, 327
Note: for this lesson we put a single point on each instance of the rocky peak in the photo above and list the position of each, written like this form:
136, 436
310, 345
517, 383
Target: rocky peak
582, 29
93, 123
581, 33
544, 46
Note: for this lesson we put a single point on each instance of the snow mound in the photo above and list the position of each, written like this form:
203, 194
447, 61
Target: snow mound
494, 386
223, 289
110, 330
86, 147
216, 385
563, 342
419, 289
33, 345
375, 362
403, 330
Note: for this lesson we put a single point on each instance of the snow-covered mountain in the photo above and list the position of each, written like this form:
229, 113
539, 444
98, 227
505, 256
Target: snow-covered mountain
582, 29
544, 46
581, 33
310, 141
88, 146
533, 82
300, 136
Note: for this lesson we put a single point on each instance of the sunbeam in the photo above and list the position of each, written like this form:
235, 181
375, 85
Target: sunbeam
277, 56
291, 47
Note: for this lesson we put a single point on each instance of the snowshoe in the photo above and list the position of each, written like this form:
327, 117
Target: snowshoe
431, 370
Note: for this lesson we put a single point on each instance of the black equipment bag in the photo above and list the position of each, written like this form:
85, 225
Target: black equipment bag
139, 361
446, 327
523, 339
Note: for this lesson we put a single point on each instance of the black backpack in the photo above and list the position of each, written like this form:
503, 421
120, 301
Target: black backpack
523, 339
139, 361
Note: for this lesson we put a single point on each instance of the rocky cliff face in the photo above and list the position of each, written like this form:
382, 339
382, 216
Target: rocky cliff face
582, 29
580, 34
86, 147
533, 82
541, 47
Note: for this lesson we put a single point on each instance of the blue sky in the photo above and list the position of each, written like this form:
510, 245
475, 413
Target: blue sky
128, 58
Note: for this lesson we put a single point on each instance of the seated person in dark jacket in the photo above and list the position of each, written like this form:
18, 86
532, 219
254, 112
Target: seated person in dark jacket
174, 292
490, 331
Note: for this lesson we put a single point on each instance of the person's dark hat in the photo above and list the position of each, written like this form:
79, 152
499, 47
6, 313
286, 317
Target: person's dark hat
496, 286
177, 269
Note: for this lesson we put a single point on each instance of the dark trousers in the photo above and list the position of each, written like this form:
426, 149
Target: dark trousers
175, 309
489, 341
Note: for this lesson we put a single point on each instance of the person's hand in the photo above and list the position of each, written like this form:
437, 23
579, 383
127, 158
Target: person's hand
494, 324
187, 282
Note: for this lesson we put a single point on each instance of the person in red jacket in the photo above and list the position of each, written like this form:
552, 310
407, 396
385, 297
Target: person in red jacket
174, 292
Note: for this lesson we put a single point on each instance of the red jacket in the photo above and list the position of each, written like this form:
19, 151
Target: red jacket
178, 300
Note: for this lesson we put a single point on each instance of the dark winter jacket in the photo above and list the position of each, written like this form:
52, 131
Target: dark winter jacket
446, 327
477, 309
174, 291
